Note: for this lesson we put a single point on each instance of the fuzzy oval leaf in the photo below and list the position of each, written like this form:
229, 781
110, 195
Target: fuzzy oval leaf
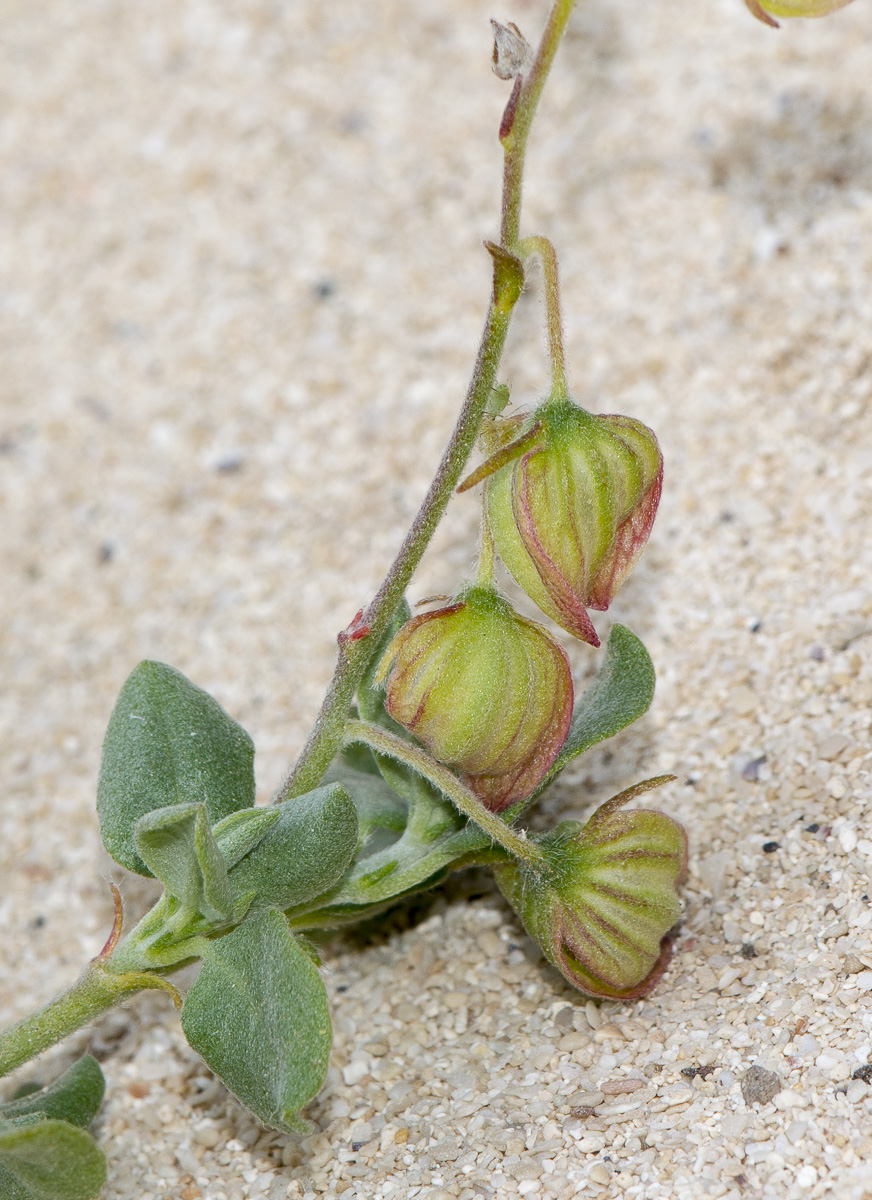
257, 1013
178, 847
168, 742
50, 1160
75, 1096
378, 806
303, 854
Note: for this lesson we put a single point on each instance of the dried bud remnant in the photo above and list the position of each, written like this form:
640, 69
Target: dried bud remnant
512, 51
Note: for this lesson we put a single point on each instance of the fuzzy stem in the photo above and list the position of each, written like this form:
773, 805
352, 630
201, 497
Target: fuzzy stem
514, 138
544, 249
355, 652
447, 782
93, 993
485, 574
356, 645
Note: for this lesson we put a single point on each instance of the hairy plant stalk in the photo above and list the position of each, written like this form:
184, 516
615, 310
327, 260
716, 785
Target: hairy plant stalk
356, 643
544, 250
447, 782
95, 991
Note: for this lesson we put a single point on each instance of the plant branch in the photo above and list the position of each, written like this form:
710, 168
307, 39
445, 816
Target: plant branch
519, 117
447, 782
357, 642
95, 991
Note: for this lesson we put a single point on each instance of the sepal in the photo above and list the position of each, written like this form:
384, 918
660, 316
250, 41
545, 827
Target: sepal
767, 10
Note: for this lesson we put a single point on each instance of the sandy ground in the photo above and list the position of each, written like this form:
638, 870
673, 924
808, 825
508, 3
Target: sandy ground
241, 284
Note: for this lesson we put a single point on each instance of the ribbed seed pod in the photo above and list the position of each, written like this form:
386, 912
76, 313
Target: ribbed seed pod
571, 516
487, 691
603, 914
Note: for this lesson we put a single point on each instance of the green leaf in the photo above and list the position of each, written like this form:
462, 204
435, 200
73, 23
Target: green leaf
168, 743
390, 873
303, 854
603, 908
49, 1160
238, 834
621, 693
379, 808
75, 1096
177, 846
257, 1013
360, 758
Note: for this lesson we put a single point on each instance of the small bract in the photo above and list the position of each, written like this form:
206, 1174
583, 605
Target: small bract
485, 690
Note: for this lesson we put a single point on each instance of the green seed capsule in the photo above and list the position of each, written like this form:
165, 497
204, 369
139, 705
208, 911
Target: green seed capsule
571, 515
485, 690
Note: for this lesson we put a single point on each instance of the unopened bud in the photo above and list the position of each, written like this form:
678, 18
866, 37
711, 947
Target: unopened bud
485, 690
603, 909
767, 10
572, 514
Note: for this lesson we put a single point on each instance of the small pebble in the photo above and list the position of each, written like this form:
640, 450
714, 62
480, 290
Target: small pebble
207, 1135
847, 838
751, 770
733, 1124
572, 1041
354, 1073
565, 1018
599, 1173
617, 1087
831, 745
698, 1072
796, 1131
759, 1086
856, 1091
